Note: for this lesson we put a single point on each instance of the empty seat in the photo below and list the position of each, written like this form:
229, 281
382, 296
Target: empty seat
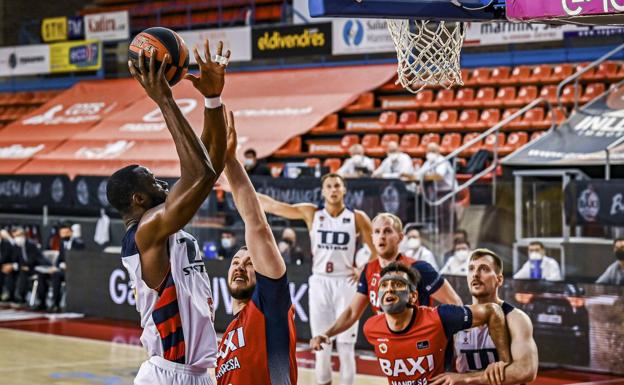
490, 141
606, 71
365, 101
409, 143
549, 93
531, 117
463, 96
525, 96
481, 75
382, 148
292, 147
348, 141
424, 98
515, 140
332, 163
489, 118
505, 96
485, 97
541, 73
425, 120
407, 118
329, 124
570, 93
370, 141
547, 122
388, 119
519, 75
446, 118
499, 75
474, 147
589, 73
592, 91
507, 113
466, 118
537, 135
560, 72
444, 98
450, 142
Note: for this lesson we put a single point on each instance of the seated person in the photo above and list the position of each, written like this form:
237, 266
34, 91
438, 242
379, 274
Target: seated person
458, 263
614, 275
253, 165
539, 266
396, 165
358, 165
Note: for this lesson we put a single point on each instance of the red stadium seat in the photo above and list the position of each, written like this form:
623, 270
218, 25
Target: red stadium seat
424, 98
444, 98
530, 118
365, 101
499, 75
329, 124
348, 141
485, 97
425, 120
515, 140
541, 73
388, 119
481, 75
549, 93
505, 96
382, 148
464, 95
312, 162
560, 72
526, 95
473, 148
466, 118
409, 143
537, 135
333, 164
519, 75
292, 147
407, 118
569, 94
560, 116
590, 72
370, 141
592, 91
446, 118
508, 112
450, 142
424, 141
606, 71
490, 141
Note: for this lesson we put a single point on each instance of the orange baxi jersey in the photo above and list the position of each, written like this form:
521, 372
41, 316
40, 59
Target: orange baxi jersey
258, 346
421, 351
430, 280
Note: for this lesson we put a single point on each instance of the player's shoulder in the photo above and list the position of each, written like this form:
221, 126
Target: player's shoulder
517, 317
376, 323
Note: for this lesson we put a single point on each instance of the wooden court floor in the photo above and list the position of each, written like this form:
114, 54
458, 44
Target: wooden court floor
31, 358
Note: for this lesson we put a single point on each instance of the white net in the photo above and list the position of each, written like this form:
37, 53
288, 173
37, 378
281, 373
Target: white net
428, 52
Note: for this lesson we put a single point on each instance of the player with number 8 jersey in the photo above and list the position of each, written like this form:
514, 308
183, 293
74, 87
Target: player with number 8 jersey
333, 235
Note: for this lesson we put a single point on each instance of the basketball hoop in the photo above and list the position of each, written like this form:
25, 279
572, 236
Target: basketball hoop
428, 52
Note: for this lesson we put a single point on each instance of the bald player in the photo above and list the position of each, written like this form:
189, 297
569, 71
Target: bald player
334, 229
477, 360
387, 235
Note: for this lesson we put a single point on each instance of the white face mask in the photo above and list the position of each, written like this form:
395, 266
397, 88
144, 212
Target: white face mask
431, 156
413, 243
248, 162
535, 255
226, 243
20, 240
462, 255
357, 158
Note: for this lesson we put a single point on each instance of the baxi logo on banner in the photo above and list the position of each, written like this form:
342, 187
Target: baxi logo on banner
25, 60
109, 26
352, 36
237, 40
76, 56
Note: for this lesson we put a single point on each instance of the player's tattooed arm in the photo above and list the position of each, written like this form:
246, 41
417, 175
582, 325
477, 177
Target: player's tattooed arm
259, 238
302, 211
492, 315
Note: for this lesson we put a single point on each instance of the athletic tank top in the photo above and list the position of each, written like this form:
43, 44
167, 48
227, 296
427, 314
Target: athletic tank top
474, 348
177, 318
333, 242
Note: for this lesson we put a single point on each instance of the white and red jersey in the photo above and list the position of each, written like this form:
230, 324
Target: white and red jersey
333, 242
177, 318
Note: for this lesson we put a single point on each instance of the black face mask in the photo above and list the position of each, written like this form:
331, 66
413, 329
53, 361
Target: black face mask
619, 254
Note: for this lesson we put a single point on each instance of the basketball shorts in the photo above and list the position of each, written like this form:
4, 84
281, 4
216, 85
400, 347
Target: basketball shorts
328, 298
159, 371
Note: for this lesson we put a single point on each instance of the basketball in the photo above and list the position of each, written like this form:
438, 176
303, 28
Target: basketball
161, 41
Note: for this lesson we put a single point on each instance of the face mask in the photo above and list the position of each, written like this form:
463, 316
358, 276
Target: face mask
535, 255
461, 255
357, 158
398, 306
413, 243
431, 156
226, 243
20, 240
248, 162
619, 254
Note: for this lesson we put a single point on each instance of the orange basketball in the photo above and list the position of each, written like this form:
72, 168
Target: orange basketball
160, 41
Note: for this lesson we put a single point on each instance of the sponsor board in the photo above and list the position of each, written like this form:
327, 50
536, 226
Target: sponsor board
76, 56
353, 36
75, 28
237, 40
108, 26
54, 29
25, 60
502, 32
298, 40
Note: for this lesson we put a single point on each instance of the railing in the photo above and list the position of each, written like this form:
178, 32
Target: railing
577, 75
492, 167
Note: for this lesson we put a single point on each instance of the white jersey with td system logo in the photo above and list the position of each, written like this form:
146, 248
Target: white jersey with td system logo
177, 318
333, 242
474, 348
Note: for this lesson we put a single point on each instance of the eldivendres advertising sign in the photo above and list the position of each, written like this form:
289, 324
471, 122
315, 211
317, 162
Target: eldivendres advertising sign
298, 40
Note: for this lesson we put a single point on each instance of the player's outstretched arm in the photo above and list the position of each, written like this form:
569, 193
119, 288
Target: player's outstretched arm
210, 83
365, 228
303, 211
259, 239
196, 178
349, 316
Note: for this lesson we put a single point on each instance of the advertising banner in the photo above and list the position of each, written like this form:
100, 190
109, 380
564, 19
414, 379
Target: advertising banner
28, 191
54, 29
25, 60
76, 56
357, 36
75, 28
582, 139
502, 32
531, 9
237, 40
573, 324
108, 26
298, 40
599, 201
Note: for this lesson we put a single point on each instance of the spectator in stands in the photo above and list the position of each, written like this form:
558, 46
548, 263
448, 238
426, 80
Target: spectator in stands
458, 235
539, 266
71, 236
358, 165
27, 256
414, 248
288, 247
229, 245
614, 275
458, 263
8, 270
396, 165
253, 165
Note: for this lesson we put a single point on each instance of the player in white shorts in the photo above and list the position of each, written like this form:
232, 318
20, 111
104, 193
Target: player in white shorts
171, 285
476, 359
333, 234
